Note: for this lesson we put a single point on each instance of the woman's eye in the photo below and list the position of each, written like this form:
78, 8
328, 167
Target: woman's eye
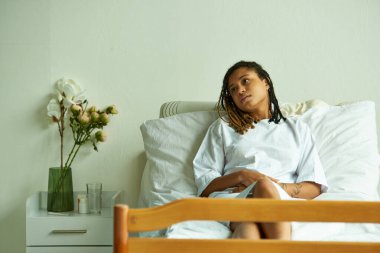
245, 81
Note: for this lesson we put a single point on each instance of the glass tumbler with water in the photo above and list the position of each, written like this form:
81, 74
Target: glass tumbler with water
94, 196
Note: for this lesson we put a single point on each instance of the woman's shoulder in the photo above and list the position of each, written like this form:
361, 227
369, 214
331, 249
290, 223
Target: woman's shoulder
220, 125
297, 123
219, 122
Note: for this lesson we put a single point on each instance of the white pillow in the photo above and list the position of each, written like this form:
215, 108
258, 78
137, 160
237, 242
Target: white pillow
346, 139
345, 136
170, 145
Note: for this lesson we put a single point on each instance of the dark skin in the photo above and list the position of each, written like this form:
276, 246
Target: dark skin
250, 94
243, 178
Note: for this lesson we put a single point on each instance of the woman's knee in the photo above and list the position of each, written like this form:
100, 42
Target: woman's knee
246, 230
265, 188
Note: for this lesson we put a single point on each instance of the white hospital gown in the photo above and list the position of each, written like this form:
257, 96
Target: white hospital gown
285, 151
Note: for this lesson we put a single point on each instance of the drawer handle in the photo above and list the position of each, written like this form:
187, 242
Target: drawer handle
69, 231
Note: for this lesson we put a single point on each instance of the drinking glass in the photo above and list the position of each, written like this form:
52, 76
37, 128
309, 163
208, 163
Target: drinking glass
94, 196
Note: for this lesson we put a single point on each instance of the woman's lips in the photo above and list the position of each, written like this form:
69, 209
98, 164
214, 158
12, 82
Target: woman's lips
243, 99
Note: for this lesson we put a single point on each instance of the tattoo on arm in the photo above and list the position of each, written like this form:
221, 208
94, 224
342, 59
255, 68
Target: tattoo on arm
296, 190
284, 186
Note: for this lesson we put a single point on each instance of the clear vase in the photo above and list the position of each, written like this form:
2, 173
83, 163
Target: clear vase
60, 190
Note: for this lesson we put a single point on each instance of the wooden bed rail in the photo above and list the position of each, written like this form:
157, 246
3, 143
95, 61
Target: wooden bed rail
260, 210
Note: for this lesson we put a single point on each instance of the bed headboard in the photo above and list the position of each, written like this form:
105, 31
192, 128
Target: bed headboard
175, 107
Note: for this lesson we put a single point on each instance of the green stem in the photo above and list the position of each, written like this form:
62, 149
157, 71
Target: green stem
75, 154
64, 172
61, 136
71, 153
64, 168
82, 139
61, 128
77, 141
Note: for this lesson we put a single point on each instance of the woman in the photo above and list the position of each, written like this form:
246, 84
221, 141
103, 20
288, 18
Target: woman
255, 145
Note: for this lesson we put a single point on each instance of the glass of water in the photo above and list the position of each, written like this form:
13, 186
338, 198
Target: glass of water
94, 196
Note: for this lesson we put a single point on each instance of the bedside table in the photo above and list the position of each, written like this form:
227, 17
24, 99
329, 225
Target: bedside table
70, 232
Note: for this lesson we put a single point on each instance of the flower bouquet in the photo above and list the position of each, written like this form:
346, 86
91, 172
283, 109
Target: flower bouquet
86, 124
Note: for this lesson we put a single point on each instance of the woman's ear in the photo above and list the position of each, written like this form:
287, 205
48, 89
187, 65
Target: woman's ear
266, 83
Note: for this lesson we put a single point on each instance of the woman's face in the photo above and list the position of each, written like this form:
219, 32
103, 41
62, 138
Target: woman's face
249, 92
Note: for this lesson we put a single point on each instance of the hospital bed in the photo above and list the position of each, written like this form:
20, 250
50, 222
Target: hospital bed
170, 217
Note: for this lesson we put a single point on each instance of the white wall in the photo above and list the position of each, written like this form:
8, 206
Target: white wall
138, 54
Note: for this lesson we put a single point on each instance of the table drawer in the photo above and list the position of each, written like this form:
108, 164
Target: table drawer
57, 231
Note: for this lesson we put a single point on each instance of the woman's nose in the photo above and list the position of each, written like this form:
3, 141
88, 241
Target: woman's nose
241, 90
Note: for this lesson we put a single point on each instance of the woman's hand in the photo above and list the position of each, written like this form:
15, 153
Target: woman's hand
239, 180
239, 188
247, 177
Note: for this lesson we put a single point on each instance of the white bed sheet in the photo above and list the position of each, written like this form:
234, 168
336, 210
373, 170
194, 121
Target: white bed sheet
302, 231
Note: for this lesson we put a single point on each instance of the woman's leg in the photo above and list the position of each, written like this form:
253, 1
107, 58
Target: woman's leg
245, 230
264, 188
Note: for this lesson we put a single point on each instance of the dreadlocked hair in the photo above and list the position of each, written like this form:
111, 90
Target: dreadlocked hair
237, 119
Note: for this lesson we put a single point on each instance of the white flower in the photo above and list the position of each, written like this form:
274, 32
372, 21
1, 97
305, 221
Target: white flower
112, 109
76, 109
59, 96
54, 109
70, 92
100, 136
84, 118
104, 118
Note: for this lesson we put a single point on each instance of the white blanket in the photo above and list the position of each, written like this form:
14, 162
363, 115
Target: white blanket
302, 231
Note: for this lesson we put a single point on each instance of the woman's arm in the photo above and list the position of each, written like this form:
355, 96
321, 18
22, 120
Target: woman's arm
304, 190
243, 177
